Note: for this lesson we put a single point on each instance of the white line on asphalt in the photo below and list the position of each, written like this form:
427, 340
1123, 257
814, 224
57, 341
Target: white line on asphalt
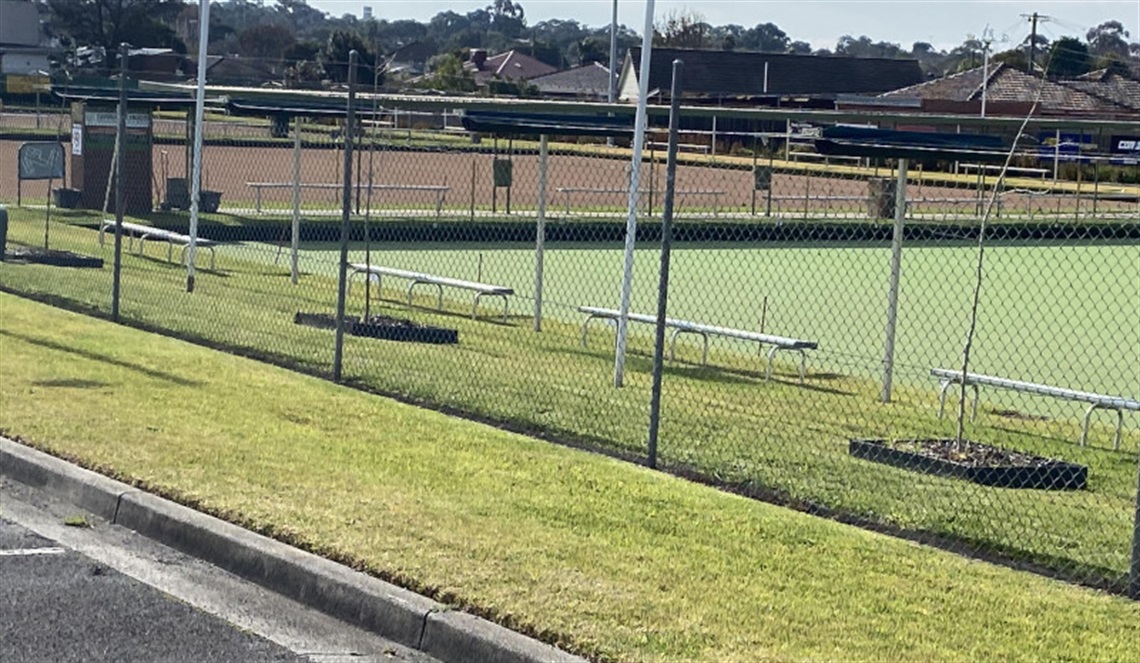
19, 552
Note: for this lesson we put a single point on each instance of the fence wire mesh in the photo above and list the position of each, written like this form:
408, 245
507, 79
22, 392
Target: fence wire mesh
778, 349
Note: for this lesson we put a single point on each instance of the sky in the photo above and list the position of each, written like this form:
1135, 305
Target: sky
944, 23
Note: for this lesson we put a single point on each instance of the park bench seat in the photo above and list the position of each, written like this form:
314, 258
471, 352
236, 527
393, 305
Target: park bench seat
948, 377
144, 233
679, 327
418, 278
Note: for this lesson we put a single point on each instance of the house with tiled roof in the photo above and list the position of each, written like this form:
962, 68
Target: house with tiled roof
725, 77
509, 66
1010, 91
1110, 85
589, 82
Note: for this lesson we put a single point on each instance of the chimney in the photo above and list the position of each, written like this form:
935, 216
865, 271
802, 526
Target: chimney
479, 57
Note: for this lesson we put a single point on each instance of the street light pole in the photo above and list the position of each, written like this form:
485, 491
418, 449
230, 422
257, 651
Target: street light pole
613, 55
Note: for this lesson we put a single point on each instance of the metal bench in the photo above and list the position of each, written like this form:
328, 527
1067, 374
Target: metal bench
143, 233
679, 327
681, 147
440, 191
567, 190
948, 377
995, 169
481, 289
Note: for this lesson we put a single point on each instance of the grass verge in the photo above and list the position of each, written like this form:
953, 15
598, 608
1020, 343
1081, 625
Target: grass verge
724, 421
599, 556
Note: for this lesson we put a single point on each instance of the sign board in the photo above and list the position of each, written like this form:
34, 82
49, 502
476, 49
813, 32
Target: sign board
111, 119
41, 161
20, 84
1125, 150
1064, 146
77, 140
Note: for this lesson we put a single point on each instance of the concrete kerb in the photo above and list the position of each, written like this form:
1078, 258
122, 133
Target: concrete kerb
383, 608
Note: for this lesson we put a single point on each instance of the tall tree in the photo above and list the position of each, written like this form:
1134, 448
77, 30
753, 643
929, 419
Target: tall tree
1069, 57
334, 57
104, 24
1108, 39
267, 41
685, 29
765, 37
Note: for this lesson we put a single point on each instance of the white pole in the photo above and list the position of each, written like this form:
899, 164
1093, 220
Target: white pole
634, 186
540, 242
199, 111
893, 293
612, 91
295, 274
985, 76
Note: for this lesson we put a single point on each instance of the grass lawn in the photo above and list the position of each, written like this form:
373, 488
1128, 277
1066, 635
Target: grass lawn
599, 556
725, 421
835, 294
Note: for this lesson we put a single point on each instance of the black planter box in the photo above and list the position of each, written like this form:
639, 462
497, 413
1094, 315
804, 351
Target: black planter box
408, 332
53, 257
1043, 473
434, 335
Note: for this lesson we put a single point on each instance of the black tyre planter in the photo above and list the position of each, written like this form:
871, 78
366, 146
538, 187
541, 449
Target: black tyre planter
382, 327
54, 257
980, 463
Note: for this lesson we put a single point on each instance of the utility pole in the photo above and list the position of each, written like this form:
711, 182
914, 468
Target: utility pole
1034, 19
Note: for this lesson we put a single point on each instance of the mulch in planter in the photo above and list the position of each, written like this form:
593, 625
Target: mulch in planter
981, 463
55, 257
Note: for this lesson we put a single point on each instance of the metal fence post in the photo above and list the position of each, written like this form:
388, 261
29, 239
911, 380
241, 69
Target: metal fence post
345, 211
1134, 572
893, 292
666, 247
540, 241
120, 139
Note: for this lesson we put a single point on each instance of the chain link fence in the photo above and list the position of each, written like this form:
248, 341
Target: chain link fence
814, 347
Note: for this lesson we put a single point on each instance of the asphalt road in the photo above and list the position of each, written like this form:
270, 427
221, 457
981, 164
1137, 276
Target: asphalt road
102, 593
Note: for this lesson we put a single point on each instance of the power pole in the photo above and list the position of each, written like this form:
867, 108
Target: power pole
1034, 19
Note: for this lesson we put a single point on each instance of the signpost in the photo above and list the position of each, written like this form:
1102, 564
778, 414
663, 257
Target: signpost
40, 161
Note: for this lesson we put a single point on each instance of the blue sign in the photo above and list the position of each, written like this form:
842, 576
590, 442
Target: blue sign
1125, 150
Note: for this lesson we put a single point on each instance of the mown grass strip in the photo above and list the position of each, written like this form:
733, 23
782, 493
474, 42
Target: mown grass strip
605, 558
723, 421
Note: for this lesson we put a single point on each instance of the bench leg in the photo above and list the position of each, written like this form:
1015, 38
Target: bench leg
213, 258
585, 325
439, 300
803, 364
1119, 426
170, 251
673, 343
771, 360
942, 399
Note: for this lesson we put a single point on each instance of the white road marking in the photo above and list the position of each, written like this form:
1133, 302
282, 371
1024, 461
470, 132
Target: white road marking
20, 552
